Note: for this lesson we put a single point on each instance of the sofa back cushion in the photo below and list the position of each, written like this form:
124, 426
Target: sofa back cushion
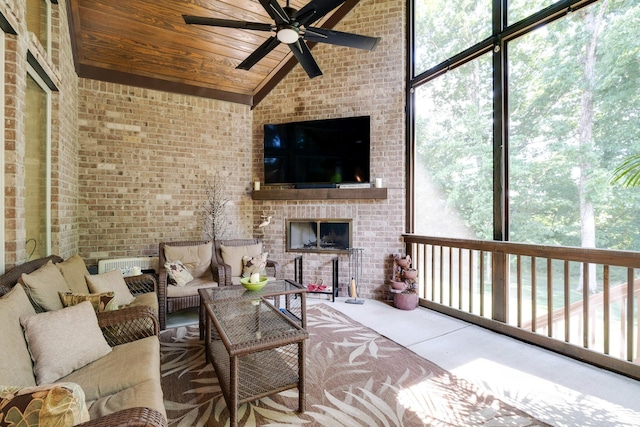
16, 367
111, 281
232, 256
196, 259
42, 287
73, 270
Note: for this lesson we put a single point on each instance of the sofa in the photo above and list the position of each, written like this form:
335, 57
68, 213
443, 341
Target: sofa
185, 267
89, 363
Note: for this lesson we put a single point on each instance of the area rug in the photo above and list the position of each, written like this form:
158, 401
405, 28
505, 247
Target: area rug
355, 377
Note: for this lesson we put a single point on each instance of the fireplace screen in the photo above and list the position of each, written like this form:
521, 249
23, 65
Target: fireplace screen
312, 235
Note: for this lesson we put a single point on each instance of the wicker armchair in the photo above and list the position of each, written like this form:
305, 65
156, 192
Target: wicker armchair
171, 304
273, 268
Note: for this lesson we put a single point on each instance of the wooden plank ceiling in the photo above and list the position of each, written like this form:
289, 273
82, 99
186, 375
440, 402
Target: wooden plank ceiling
146, 43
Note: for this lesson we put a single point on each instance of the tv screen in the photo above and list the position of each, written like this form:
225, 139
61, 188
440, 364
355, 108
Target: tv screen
331, 151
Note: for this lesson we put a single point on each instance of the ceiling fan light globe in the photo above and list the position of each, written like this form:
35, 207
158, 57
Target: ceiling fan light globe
287, 35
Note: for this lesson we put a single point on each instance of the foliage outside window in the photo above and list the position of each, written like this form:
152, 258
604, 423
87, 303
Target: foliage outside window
573, 103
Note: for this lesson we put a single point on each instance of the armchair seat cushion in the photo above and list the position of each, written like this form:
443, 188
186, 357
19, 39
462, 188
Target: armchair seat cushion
191, 288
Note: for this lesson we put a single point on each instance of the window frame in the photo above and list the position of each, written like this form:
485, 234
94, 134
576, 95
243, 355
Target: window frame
498, 44
42, 84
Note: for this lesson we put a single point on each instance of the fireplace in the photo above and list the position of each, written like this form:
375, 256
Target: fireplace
318, 235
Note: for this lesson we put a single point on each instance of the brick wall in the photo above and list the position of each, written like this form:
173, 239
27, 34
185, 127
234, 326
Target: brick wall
145, 159
64, 190
354, 83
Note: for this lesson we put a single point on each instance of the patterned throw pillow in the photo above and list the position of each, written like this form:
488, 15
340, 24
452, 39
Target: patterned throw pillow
178, 272
60, 404
105, 301
254, 264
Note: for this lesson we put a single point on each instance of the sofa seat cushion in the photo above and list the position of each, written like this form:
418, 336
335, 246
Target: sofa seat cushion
196, 258
148, 299
16, 367
42, 287
58, 404
127, 365
146, 394
191, 288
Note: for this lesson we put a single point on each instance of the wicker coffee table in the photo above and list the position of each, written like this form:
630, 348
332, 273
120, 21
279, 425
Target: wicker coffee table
255, 348
292, 295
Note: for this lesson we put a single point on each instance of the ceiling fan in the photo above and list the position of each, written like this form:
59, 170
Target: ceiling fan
292, 27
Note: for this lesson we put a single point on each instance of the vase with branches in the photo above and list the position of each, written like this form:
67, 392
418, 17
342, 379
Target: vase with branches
214, 214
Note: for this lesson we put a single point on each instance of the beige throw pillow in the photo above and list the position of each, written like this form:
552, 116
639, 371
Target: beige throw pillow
232, 256
73, 270
42, 287
62, 341
111, 281
196, 259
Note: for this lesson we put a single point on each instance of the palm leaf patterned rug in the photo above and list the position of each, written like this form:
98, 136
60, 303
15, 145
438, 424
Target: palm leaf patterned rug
355, 377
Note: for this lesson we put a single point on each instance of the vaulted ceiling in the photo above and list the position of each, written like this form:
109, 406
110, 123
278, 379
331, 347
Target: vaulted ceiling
146, 43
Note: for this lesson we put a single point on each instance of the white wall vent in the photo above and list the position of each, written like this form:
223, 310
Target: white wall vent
126, 264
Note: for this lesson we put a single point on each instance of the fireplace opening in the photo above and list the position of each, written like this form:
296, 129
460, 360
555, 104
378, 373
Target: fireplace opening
312, 235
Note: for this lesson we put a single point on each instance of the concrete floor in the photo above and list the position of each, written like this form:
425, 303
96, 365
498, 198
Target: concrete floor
555, 389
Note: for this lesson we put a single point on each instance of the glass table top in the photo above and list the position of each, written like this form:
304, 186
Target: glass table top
276, 287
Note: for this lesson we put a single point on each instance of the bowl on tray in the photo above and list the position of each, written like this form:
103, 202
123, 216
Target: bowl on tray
256, 286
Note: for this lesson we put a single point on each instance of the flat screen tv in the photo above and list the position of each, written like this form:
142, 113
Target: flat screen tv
317, 152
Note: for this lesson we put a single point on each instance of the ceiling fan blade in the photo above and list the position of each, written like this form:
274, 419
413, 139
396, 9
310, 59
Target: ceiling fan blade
275, 11
304, 57
315, 10
227, 23
259, 53
357, 41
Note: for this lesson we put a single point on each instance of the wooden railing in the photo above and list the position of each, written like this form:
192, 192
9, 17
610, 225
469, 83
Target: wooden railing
541, 294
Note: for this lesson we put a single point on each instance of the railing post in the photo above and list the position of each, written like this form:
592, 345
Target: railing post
500, 292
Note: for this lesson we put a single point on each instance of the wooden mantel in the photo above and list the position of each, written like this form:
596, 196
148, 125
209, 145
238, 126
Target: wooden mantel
320, 194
